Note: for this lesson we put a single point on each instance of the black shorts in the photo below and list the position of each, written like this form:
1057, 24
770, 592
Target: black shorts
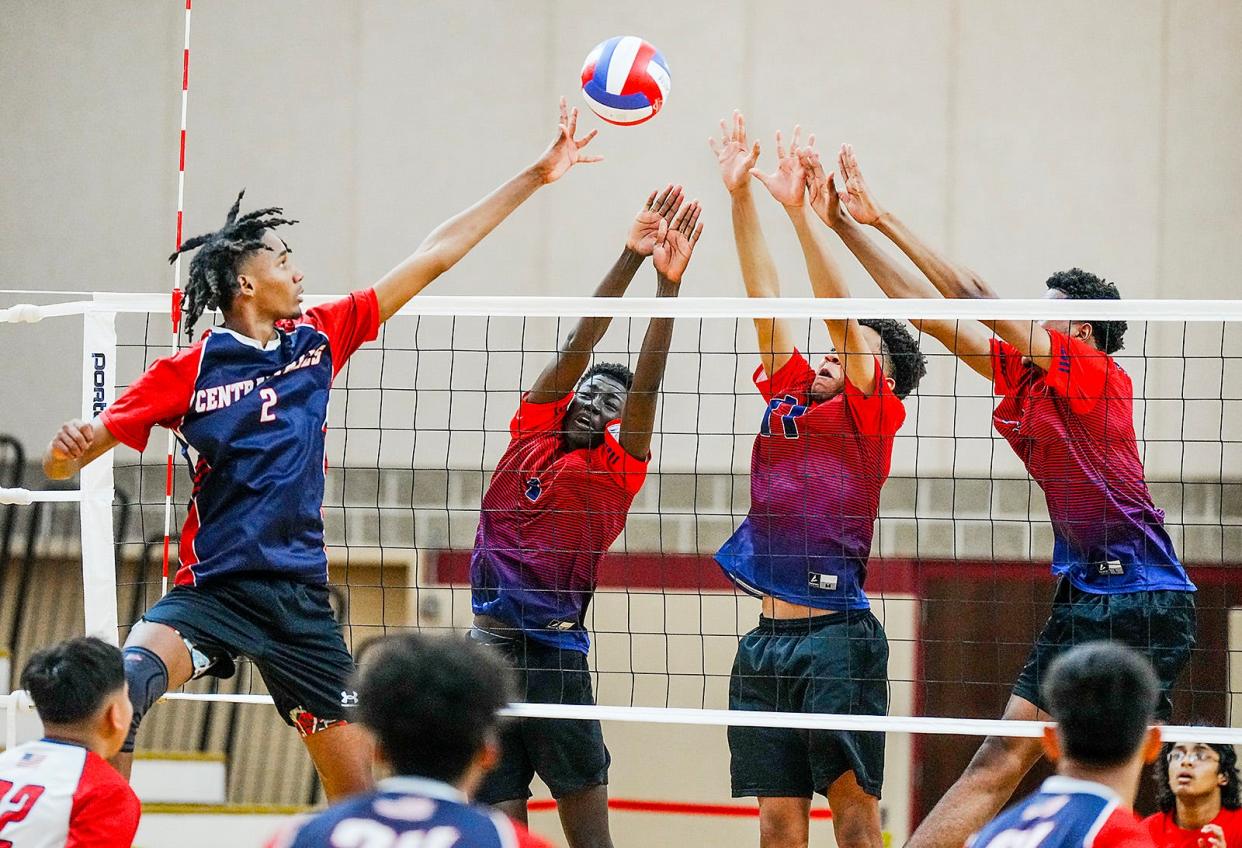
828, 664
1160, 625
568, 754
284, 627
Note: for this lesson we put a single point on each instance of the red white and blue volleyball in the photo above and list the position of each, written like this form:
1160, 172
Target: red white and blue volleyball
625, 80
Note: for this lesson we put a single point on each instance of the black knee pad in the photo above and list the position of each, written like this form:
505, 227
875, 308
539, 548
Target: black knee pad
147, 677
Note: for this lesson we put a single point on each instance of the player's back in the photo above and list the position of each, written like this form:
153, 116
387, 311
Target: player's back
409, 811
1065, 813
57, 793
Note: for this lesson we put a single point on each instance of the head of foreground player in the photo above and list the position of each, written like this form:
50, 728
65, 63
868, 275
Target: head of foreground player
599, 399
1102, 696
245, 270
1077, 284
1199, 776
902, 363
432, 704
78, 688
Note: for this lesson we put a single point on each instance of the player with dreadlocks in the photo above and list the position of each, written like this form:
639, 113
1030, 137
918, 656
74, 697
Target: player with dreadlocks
248, 403
1067, 410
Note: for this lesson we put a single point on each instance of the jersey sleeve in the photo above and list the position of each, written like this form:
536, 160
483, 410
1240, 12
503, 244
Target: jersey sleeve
794, 378
161, 395
880, 414
628, 472
526, 839
533, 418
105, 810
1122, 829
348, 323
1079, 371
1007, 367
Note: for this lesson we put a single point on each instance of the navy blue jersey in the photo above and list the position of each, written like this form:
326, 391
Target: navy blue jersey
251, 421
410, 811
1065, 813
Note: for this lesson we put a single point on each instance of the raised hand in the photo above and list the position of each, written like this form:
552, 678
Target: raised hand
856, 197
788, 182
661, 206
732, 153
675, 242
565, 151
821, 189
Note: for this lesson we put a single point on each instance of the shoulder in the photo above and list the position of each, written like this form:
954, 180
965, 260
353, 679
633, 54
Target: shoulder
100, 780
1121, 828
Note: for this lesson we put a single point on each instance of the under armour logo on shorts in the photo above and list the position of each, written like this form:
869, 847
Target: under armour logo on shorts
349, 699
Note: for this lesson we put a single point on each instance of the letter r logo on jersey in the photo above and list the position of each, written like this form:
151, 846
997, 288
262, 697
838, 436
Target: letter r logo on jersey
789, 411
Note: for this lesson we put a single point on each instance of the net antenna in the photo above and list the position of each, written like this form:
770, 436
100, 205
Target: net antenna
176, 287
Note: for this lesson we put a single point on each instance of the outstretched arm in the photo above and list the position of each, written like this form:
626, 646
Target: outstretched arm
453, 239
950, 279
967, 339
560, 376
76, 444
674, 246
736, 160
788, 186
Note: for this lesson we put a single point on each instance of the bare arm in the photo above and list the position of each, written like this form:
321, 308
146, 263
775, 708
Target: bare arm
563, 373
967, 339
758, 270
76, 445
787, 186
950, 279
453, 239
674, 247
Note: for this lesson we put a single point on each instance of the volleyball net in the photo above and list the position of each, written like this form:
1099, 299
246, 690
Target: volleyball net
959, 571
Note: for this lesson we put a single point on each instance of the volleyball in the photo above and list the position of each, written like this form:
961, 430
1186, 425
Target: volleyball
625, 80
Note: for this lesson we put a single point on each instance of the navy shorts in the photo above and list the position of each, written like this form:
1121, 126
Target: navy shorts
286, 628
569, 755
1160, 625
827, 664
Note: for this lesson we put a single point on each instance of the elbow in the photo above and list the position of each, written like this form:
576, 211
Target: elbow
433, 256
969, 284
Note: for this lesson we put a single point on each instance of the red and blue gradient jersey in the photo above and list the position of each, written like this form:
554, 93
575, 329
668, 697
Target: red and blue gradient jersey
1073, 428
1065, 813
549, 515
408, 811
251, 421
815, 477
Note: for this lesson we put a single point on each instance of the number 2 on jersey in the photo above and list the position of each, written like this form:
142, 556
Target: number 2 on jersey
17, 806
269, 400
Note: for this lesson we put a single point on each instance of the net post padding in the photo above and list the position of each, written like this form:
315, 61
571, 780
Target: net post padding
98, 542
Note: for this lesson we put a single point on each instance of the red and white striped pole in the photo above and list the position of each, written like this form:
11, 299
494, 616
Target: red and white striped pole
176, 286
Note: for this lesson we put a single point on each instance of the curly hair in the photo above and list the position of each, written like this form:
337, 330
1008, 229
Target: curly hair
213, 270
1230, 795
614, 370
1077, 284
903, 361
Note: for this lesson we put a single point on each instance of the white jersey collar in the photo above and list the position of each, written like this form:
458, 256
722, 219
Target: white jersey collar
408, 784
1059, 784
274, 344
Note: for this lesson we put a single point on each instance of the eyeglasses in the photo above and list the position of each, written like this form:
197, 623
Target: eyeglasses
1178, 756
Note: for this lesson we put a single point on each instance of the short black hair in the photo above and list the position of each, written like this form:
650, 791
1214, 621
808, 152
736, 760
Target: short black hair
212, 281
71, 681
431, 701
615, 370
1102, 696
1228, 766
1077, 284
901, 354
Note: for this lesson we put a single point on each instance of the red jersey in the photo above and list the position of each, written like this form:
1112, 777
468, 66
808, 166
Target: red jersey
1073, 428
1166, 832
549, 515
815, 477
56, 794
251, 421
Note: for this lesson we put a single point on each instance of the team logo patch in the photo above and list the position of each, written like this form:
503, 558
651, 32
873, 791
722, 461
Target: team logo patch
308, 724
533, 489
788, 410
